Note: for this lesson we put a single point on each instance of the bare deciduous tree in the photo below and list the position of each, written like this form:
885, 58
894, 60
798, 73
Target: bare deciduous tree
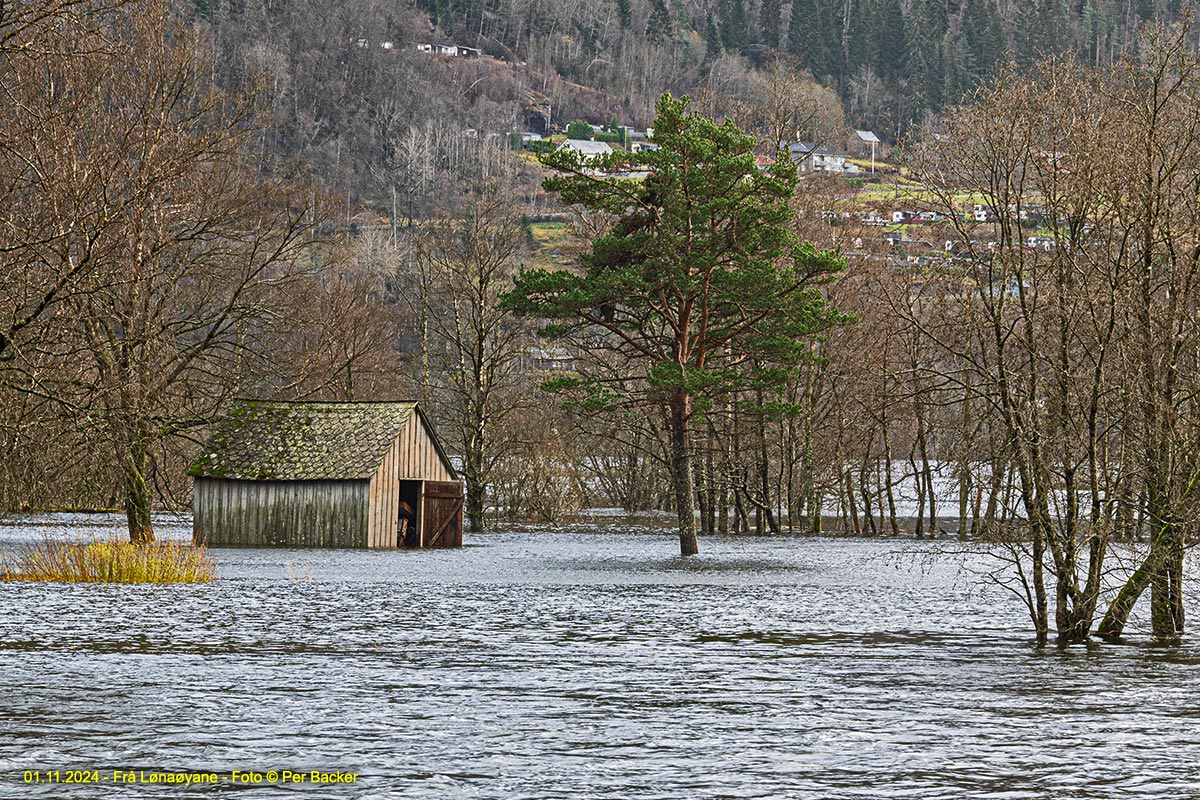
154, 246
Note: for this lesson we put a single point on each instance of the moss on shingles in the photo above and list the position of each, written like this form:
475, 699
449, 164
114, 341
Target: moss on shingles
261, 440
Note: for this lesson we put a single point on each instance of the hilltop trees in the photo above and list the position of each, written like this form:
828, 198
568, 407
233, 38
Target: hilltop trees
698, 288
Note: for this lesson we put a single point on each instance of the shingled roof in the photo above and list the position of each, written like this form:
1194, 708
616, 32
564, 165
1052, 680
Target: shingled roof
302, 441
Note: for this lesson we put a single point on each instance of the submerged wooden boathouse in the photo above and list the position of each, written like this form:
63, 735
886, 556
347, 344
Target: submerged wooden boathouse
307, 474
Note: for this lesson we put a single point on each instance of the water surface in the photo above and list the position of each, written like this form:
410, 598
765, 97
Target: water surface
585, 665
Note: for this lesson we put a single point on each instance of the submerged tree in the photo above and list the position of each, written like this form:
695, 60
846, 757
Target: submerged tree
145, 249
699, 287
460, 269
1073, 330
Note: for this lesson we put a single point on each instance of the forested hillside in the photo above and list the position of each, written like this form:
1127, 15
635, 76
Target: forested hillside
375, 116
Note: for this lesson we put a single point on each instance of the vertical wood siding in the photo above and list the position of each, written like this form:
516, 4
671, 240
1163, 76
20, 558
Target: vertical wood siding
420, 460
280, 513
385, 500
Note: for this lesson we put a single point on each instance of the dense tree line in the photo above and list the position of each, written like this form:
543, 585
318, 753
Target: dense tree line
891, 61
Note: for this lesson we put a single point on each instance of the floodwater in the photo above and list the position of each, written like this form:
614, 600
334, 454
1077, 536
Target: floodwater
583, 665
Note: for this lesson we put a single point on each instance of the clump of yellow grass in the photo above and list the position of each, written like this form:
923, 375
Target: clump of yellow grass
110, 561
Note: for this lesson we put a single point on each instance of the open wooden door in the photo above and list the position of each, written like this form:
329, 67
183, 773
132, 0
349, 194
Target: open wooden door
442, 514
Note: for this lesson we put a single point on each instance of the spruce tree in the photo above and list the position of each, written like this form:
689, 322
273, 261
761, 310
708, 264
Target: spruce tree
734, 33
994, 43
1027, 38
975, 53
959, 71
769, 23
925, 40
712, 38
890, 53
862, 41
659, 27
805, 37
1055, 26
624, 14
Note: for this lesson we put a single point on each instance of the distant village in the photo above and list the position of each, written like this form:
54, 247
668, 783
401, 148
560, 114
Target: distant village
862, 157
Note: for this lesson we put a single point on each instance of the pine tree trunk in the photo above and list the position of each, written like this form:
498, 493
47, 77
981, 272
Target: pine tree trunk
681, 475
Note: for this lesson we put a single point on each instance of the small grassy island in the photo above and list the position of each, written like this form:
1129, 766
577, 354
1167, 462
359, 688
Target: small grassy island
110, 561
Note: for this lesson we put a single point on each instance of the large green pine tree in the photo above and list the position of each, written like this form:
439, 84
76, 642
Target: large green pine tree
700, 289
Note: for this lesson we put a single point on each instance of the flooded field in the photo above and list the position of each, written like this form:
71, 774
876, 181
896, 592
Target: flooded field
589, 664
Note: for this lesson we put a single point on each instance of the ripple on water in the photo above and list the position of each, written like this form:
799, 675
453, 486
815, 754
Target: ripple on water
556, 665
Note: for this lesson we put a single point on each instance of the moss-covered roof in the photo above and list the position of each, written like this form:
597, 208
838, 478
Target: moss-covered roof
302, 441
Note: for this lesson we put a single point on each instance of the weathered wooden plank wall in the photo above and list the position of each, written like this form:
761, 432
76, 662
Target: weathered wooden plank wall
385, 499
419, 457
281, 513
349, 513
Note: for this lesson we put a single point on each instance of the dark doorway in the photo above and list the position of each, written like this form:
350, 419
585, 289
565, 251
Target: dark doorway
408, 532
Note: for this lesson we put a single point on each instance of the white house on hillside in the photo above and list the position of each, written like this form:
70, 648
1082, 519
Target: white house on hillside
586, 148
812, 158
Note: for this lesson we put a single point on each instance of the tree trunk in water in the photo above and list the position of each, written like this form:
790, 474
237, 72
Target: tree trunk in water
996, 487
1166, 597
477, 444
475, 505
815, 502
726, 475
681, 475
137, 494
1176, 567
1041, 621
1113, 624
964, 490
851, 509
1161, 553
710, 483
864, 489
764, 474
700, 492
